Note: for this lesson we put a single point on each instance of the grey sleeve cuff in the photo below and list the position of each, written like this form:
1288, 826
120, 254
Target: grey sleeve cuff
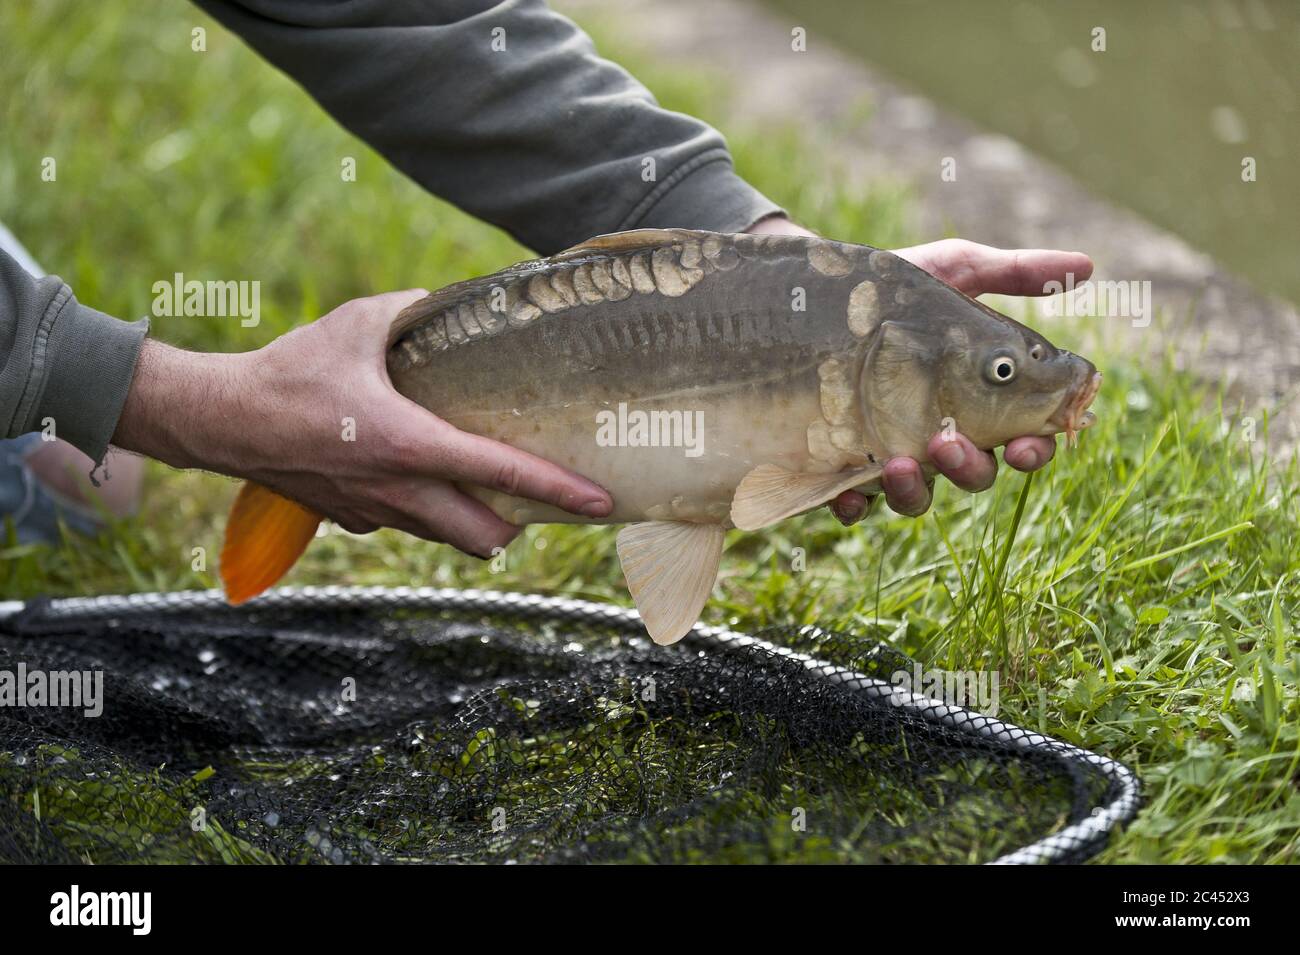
90, 361
61, 362
704, 193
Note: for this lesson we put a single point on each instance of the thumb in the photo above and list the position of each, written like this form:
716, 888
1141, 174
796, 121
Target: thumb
394, 302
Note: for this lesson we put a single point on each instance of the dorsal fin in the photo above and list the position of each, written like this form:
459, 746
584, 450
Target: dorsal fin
452, 295
626, 241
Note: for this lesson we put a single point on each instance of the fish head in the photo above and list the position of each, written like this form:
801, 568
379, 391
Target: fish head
999, 380
948, 361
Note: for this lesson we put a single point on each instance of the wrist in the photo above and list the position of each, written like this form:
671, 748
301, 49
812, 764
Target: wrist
777, 224
180, 405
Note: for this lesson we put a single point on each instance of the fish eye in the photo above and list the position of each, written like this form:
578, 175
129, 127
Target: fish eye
1036, 353
1002, 369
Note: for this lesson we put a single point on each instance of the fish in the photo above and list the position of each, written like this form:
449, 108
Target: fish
709, 382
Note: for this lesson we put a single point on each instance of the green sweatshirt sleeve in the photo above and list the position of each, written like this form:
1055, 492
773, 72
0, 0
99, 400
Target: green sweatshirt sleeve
63, 362
504, 109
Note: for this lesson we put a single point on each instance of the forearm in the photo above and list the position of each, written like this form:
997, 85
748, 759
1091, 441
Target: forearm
541, 137
63, 364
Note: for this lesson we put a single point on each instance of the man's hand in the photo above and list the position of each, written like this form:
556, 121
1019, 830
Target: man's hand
975, 270
276, 416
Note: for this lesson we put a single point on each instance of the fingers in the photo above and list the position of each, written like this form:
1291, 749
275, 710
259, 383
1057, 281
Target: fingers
976, 269
441, 513
961, 462
850, 507
499, 467
1027, 271
974, 470
1029, 454
906, 490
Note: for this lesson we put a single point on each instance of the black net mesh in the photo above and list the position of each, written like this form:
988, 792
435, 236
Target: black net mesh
397, 734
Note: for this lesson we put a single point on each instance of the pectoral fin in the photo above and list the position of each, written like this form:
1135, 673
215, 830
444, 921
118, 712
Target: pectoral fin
771, 493
670, 568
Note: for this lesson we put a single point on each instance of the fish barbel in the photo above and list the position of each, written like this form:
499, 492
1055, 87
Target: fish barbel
707, 381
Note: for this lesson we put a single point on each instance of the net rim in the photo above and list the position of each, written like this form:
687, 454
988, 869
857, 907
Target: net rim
1086, 837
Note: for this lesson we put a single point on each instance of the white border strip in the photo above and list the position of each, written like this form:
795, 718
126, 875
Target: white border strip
1090, 832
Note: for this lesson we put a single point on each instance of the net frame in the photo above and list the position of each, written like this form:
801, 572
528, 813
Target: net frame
1074, 842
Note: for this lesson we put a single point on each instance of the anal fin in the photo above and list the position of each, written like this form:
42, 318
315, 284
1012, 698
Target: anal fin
670, 567
771, 493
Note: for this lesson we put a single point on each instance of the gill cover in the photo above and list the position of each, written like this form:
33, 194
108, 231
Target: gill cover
899, 390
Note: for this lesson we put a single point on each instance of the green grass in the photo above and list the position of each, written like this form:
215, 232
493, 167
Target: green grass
1137, 596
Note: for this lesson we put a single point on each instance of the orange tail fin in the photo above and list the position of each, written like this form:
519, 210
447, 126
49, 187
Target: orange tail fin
265, 536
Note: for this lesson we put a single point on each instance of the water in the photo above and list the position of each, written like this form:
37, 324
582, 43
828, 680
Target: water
1160, 121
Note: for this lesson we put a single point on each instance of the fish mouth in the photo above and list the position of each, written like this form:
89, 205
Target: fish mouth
1073, 414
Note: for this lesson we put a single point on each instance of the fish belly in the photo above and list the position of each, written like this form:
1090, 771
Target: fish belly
692, 473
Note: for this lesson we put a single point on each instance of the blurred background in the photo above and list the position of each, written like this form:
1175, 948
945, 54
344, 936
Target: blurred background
1158, 122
